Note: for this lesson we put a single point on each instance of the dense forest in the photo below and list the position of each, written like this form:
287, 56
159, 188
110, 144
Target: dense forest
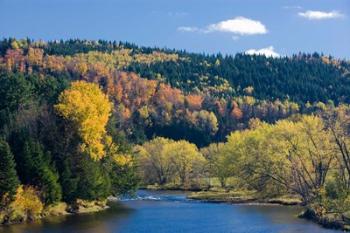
83, 120
166, 92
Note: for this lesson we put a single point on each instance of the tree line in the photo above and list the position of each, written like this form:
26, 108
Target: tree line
304, 155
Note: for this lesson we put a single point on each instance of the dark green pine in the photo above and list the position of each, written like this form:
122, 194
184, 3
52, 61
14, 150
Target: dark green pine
8, 175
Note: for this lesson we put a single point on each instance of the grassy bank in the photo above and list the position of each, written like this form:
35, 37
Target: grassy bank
174, 187
215, 193
16, 215
236, 197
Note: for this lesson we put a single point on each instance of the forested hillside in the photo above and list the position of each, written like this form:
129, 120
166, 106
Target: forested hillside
323, 78
166, 92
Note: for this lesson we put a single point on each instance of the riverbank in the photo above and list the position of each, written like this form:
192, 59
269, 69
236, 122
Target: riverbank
316, 214
170, 187
238, 197
14, 216
219, 195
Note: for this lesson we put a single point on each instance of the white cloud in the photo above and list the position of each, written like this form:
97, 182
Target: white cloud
320, 15
240, 26
268, 52
235, 38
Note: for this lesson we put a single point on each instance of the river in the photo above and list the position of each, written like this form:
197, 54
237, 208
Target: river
171, 212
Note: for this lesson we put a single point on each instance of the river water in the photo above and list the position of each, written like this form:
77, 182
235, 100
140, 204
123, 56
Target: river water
171, 212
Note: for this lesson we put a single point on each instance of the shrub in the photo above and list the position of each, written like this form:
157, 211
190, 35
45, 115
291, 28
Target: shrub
26, 205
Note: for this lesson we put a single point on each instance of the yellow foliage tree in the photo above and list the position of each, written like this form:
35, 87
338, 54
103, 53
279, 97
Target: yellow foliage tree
220, 162
154, 163
120, 159
88, 108
290, 155
185, 158
26, 205
164, 160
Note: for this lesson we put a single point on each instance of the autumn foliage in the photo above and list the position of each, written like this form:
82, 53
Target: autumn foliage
145, 107
89, 109
26, 205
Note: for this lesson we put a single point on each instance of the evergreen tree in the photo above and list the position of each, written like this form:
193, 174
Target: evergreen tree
124, 179
39, 171
94, 182
69, 182
51, 187
8, 174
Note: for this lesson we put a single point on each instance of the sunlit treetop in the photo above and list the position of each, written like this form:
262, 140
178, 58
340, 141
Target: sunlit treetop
88, 108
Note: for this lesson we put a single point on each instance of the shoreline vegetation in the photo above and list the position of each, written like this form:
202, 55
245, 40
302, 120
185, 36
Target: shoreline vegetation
219, 195
241, 197
85, 120
57, 209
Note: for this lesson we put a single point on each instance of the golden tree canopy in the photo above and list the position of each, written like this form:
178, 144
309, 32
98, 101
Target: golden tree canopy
89, 109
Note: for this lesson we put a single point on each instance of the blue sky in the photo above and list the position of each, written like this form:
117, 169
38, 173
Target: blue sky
274, 27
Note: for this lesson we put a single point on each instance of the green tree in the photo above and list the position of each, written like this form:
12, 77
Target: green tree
94, 182
220, 162
69, 181
120, 166
124, 179
38, 171
8, 175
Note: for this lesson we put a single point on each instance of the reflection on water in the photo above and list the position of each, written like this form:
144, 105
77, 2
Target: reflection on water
163, 212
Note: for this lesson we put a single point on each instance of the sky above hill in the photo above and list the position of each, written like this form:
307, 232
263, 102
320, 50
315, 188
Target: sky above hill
272, 27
